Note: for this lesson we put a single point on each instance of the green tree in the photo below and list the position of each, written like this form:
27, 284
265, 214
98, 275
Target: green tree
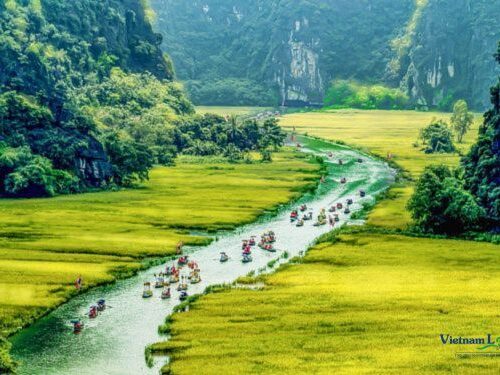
437, 137
482, 164
440, 204
461, 120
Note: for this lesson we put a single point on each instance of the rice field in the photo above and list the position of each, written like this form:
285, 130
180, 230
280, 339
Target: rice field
387, 134
362, 304
45, 244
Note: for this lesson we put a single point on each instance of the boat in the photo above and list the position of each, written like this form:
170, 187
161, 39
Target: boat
224, 257
174, 279
147, 293
159, 283
247, 259
336, 218
307, 217
350, 201
182, 261
332, 209
340, 206
183, 296
182, 286
252, 241
165, 294
320, 223
77, 326
343, 180
341, 162
196, 279
300, 223
101, 305
93, 312
362, 193
347, 211
294, 216
360, 160
303, 208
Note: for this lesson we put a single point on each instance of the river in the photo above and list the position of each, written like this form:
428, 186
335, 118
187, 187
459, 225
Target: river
114, 343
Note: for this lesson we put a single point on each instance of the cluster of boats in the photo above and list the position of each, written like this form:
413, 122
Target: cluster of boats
266, 243
171, 276
93, 313
299, 217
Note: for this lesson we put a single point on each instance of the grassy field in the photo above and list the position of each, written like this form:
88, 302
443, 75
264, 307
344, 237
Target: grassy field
366, 304
382, 133
46, 243
369, 301
237, 111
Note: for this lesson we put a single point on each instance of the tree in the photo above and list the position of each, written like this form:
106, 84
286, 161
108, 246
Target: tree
437, 137
482, 164
441, 205
462, 119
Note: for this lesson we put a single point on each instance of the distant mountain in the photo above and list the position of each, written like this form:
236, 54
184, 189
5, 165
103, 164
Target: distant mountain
287, 51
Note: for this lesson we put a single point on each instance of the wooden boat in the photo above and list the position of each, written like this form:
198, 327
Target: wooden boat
147, 293
165, 294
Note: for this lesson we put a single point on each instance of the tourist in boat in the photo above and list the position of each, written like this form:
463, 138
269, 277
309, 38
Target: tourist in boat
159, 283
303, 208
336, 218
247, 258
101, 305
340, 206
330, 220
244, 245
247, 250
77, 326
93, 312
362, 193
252, 241
330, 155
347, 211
294, 215
350, 202
147, 292
341, 162
300, 223
343, 180
166, 294
183, 296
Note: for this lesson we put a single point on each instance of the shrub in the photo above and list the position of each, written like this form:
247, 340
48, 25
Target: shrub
437, 137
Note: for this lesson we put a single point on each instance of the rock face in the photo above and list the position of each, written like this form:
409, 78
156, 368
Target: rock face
451, 54
297, 48
92, 164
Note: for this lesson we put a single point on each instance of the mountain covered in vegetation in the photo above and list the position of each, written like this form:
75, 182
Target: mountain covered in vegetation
87, 99
287, 52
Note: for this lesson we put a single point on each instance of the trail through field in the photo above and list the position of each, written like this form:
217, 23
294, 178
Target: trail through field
114, 343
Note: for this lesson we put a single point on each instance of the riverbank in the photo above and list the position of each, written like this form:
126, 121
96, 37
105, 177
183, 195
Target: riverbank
367, 299
45, 244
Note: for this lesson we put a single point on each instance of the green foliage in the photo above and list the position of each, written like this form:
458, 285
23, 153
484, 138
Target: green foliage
482, 164
441, 205
7, 365
349, 94
462, 119
25, 174
437, 137
231, 91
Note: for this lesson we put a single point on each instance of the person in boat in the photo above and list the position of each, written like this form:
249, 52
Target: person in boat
341, 162
224, 257
147, 290
183, 296
77, 326
293, 216
247, 250
360, 160
101, 305
303, 207
347, 211
336, 218
332, 209
252, 241
244, 245
362, 193
340, 206
343, 180
350, 201
166, 293
330, 220
93, 312
330, 155
300, 223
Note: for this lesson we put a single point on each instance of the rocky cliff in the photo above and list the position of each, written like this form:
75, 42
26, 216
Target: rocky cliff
436, 50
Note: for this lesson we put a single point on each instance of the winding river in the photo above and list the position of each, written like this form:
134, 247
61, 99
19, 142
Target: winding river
114, 343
